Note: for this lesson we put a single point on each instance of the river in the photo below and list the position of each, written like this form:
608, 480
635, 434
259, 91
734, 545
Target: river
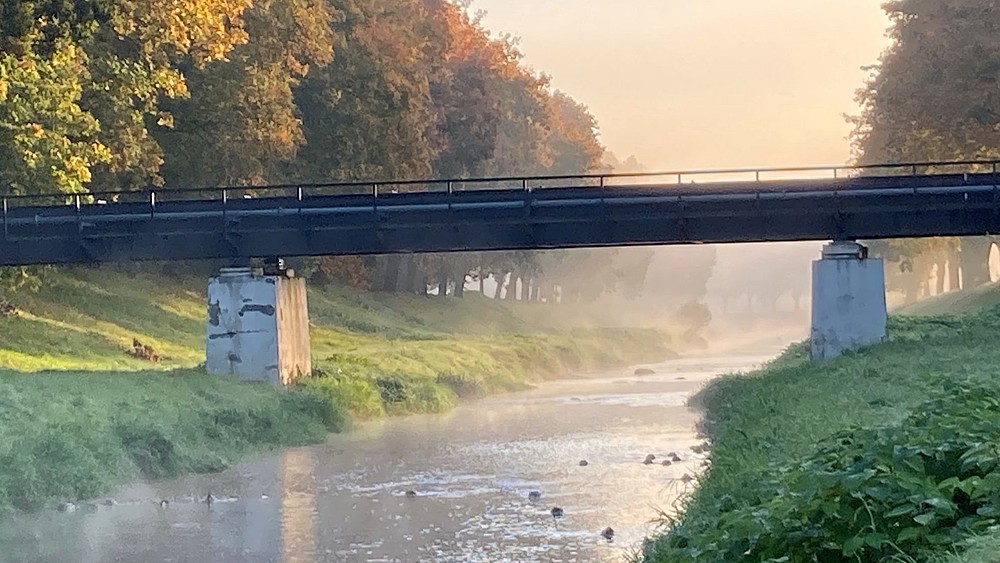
472, 471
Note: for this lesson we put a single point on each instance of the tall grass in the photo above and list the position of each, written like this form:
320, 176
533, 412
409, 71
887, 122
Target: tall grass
769, 422
73, 435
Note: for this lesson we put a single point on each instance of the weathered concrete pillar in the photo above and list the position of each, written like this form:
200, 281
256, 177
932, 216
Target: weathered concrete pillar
848, 300
258, 326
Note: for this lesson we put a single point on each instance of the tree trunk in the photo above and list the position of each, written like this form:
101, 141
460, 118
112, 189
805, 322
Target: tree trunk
386, 271
501, 281
482, 282
939, 282
910, 283
953, 281
443, 283
404, 283
528, 289
512, 287
459, 284
417, 285
975, 261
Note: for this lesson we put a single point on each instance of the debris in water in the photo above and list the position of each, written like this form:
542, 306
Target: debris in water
164, 503
644, 371
666, 463
209, 499
66, 507
557, 512
108, 502
686, 478
583, 463
608, 533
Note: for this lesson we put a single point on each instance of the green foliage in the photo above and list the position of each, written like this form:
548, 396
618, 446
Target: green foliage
70, 436
887, 454
932, 97
874, 494
464, 387
355, 395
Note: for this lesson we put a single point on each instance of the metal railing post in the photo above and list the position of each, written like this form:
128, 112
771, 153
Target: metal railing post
5, 234
79, 220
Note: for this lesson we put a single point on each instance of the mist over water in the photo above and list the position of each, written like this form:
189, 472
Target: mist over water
471, 470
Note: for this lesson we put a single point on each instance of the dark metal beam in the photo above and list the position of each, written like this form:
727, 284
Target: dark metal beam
155, 228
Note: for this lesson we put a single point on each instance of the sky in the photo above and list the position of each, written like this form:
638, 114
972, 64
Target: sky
688, 84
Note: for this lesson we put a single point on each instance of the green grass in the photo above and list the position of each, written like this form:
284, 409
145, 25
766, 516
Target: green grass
767, 469
72, 435
957, 302
78, 415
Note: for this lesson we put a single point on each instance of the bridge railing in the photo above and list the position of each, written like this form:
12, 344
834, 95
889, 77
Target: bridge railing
666, 179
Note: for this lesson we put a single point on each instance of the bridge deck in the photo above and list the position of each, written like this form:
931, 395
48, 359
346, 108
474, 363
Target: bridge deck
538, 213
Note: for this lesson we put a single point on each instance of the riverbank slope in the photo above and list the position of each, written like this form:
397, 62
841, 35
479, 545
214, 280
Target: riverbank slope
887, 454
80, 415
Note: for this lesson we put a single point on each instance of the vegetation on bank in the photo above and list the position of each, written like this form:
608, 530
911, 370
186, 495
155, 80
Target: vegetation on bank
887, 454
78, 414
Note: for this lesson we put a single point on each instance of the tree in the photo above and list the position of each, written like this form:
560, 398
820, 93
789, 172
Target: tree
933, 96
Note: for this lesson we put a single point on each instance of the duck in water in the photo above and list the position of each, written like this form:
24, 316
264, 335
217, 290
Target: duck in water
164, 503
411, 494
608, 533
583, 463
649, 459
557, 512
209, 499
535, 496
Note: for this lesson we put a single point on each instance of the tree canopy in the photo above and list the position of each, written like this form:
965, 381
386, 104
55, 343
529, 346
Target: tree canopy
934, 96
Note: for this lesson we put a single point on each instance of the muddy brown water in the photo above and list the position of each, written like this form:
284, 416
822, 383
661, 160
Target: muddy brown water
471, 469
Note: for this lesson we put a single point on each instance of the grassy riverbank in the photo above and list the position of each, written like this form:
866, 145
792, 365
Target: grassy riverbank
78, 415
889, 454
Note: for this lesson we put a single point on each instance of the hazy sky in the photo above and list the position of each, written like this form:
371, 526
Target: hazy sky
705, 83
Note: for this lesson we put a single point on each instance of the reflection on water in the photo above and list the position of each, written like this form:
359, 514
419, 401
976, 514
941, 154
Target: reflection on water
471, 471
298, 506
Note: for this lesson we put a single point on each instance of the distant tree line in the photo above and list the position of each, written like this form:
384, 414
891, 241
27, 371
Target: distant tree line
934, 96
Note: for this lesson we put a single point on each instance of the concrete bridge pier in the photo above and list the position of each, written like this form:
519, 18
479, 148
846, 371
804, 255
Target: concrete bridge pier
258, 325
848, 300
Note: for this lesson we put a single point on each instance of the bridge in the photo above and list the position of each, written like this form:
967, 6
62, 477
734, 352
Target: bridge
839, 204
917, 200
